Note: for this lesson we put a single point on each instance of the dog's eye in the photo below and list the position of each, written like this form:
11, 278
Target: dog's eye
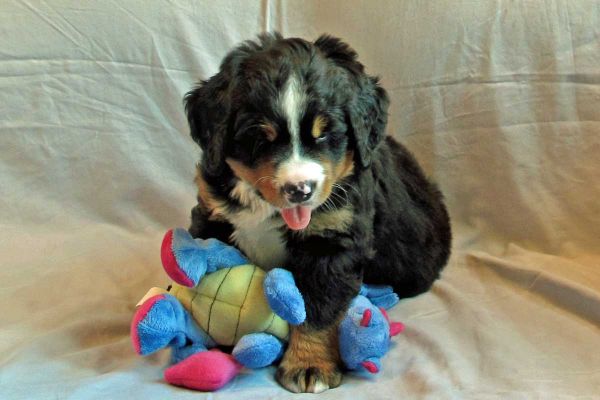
322, 138
251, 141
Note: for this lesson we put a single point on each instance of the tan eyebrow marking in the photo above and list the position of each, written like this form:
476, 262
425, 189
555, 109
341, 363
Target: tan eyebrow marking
270, 131
319, 124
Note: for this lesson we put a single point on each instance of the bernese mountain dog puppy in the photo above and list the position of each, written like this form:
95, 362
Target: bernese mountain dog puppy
297, 173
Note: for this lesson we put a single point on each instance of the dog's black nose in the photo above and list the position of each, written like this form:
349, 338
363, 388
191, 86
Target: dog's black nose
299, 192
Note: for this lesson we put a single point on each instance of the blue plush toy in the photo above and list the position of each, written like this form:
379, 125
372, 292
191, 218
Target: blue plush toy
219, 299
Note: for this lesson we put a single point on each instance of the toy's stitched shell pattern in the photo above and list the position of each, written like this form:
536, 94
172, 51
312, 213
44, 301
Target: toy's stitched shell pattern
230, 303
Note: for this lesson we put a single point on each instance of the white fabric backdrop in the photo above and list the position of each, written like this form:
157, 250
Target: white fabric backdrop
499, 100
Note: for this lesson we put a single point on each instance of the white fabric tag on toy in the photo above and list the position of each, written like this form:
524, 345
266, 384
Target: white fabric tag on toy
151, 293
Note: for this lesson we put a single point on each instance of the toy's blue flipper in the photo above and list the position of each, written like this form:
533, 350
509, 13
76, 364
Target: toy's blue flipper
183, 259
380, 295
220, 255
283, 296
257, 350
186, 260
162, 321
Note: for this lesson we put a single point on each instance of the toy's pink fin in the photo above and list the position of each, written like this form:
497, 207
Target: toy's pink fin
370, 366
385, 314
366, 318
170, 263
396, 328
138, 317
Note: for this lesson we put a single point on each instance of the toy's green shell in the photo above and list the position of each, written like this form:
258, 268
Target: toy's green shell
230, 303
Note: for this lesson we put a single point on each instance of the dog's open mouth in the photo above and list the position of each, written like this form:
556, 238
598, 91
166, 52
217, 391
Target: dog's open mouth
296, 218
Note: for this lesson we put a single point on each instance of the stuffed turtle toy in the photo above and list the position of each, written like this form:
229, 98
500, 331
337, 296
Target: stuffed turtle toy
218, 299
229, 303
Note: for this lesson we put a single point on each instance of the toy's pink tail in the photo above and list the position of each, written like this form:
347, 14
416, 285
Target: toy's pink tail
206, 371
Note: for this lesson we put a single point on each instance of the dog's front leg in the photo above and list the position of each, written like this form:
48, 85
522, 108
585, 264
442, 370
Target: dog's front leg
328, 283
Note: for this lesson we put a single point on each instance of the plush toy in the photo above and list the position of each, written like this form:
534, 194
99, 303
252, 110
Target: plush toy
218, 299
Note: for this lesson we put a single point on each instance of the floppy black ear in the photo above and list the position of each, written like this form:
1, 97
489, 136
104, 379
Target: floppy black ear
367, 113
367, 108
207, 108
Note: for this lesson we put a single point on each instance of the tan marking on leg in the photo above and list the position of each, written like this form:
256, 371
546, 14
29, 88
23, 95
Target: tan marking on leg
312, 360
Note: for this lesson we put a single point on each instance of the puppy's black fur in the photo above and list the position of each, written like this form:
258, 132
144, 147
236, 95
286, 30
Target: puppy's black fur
399, 233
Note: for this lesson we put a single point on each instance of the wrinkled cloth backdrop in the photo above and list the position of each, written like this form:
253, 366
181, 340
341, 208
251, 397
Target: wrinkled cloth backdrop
499, 100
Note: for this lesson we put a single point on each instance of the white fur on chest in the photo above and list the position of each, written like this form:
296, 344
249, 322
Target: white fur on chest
256, 233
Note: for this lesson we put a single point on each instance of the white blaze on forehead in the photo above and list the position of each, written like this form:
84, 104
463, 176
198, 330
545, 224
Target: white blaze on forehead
292, 101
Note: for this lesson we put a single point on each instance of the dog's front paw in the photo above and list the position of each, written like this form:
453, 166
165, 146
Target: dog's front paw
313, 379
311, 362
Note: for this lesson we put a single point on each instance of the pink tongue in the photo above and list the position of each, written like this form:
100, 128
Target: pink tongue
296, 218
